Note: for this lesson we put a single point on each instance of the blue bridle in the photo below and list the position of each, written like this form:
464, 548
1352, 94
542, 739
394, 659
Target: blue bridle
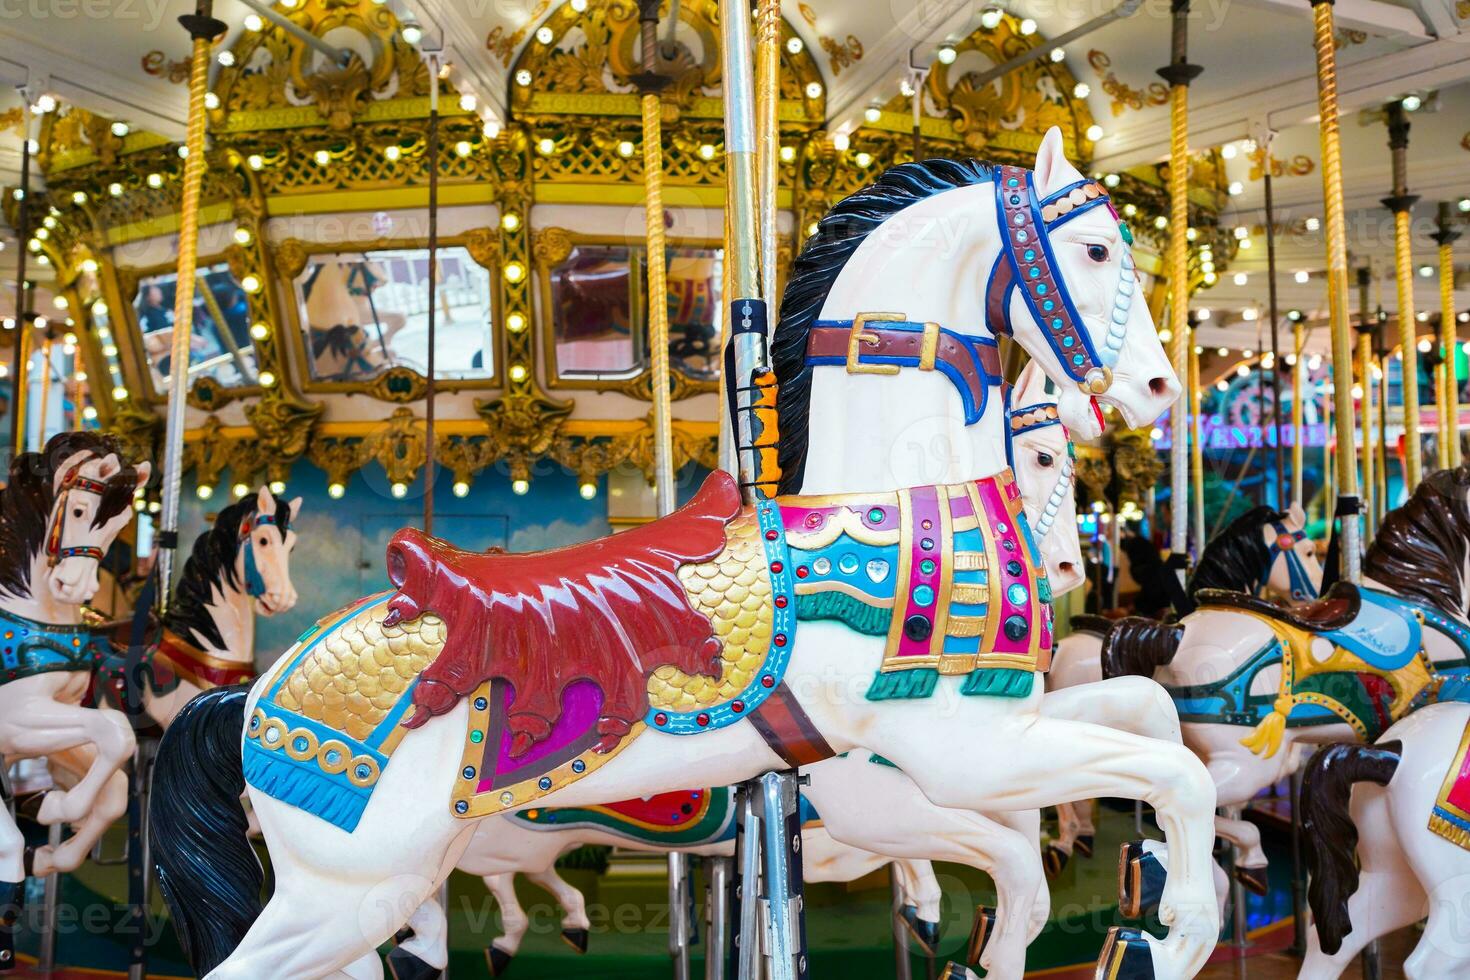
1284, 546
254, 581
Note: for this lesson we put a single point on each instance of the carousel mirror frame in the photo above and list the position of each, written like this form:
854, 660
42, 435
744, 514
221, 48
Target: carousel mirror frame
398, 384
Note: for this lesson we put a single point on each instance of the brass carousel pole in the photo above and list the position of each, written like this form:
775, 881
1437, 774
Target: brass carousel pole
1449, 379
1337, 286
1298, 413
1366, 386
1179, 73
203, 28
1275, 333
431, 160
1196, 442
1401, 203
768, 135
22, 313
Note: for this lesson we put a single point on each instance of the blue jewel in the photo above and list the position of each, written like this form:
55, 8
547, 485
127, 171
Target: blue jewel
579, 766
469, 772
460, 806
1035, 272
923, 595
1076, 358
1041, 289
1015, 199
481, 704
1017, 594
1056, 323
1049, 305
1030, 255
300, 744
544, 782
1068, 341
1013, 182
363, 771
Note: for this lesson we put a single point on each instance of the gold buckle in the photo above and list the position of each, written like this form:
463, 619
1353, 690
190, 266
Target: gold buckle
858, 335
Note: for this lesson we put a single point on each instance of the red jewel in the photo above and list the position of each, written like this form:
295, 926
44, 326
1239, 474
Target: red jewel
737, 706
768, 681
776, 567
660, 719
780, 602
814, 520
780, 639
927, 524
702, 719
771, 535
1286, 542
802, 571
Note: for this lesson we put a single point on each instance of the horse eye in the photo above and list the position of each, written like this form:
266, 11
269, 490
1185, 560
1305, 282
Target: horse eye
261, 540
1045, 459
76, 512
1097, 253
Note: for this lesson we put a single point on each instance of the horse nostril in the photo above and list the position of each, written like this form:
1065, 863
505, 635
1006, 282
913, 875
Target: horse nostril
1067, 567
1159, 386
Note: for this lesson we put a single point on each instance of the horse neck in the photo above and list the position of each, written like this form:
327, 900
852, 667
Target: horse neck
41, 605
869, 432
233, 611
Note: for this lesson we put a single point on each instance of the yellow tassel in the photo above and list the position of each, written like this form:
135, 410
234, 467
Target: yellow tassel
1265, 739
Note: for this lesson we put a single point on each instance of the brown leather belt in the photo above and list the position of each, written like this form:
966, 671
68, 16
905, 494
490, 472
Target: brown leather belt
786, 728
883, 343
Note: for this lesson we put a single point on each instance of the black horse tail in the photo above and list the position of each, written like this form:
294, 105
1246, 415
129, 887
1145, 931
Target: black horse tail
206, 867
1138, 646
1328, 832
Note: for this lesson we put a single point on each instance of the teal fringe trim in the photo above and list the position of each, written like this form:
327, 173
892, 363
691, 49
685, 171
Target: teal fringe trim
878, 760
854, 613
278, 776
998, 682
917, 682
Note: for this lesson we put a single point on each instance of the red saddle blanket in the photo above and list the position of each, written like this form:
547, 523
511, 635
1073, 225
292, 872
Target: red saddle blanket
610, 611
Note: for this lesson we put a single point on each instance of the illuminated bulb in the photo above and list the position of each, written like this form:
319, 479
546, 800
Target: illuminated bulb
580, 6
1166, 335
80, 375
243, 236
794, 45
1313, 224
863, 159
109, 350
587, 490
34, 244
335, 490
60, 303
1222, 385
253, 22
120, 394
43, 233
518, 372
1228, 151
947, 55
840, 142
45, 104
211, 100
461, 488
322, 158
89, 413
872, 113
1028, 27
115, 189
1423, 345
256, 161
227, 58
1235, 189
267, 379
1302, 276
1426, 271
1058, 55
707, 151
1161, 222
1412, 103
523, 77
99, 308
906, 88
259, 331
814, 90
392, 151
412, 33
1156, 433
464, 148
1191, 234
140, 505
1464, 204
516, 322
514, 272
625, 148
491, 129
1094, 132
788, 153
1423, 317
251, 283
545, 35
1203, 315
278, 486
399, 489
1081, 90
547, 146
468, 102
1241, 278
520, 487
1249, 313
155, 181
1130, 209
1357, 391
205, 491
990, 19
1207, 266
1223, 352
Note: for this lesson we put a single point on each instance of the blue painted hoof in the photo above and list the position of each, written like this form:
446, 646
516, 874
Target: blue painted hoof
575, 938
1054, 860
980, 933
1140, 881
406, 966
1125, 956
925, 934
498, 960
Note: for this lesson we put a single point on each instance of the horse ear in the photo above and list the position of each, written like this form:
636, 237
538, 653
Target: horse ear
1053, 171
264, 502
144, 471
1029, 384
295, 508
1296, 514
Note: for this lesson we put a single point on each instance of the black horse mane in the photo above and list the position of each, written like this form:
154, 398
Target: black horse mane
212, 561
821, 260
1420, 548
27, 499
1236, 558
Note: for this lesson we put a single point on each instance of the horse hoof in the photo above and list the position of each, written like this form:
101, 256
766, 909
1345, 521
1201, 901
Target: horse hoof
498, 960
1140, 881
1083, 845
575, 938
924, 933
402, 936
1054, 860
1253, 879
1125, 956
980, 933
954, 971
406, 966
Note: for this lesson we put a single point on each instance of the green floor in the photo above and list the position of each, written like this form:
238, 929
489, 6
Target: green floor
848, 926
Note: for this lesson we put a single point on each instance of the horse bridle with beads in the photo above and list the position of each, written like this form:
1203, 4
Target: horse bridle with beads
54, 551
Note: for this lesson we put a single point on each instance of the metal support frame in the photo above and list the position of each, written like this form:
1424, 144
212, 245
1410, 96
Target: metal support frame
718, 889
1445, 236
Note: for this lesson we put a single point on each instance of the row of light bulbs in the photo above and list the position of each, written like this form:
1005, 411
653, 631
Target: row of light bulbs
587, 489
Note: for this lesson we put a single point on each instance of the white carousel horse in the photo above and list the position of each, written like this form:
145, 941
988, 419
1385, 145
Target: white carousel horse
1264, 552
1359, 658
239, 567
858, 805
59, 513
1388, 843
351, 796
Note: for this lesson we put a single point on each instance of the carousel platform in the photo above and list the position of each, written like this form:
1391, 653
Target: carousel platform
849, 925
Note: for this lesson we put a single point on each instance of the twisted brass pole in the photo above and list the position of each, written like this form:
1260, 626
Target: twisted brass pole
203, 29
1196, 443
651, 83
1366, 386
1179, 73
1337, 286
1401, 203
768, 135
1449, 377
21, 354
1298, 413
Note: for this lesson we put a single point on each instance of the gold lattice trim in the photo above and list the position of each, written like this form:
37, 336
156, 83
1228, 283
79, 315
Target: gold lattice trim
355, 675
734, 591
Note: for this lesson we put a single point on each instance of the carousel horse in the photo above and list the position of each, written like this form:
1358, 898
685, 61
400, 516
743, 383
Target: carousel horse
59, 513
1254, 681
1264, 552
856, 805
619, 667
1387, 836
237, 568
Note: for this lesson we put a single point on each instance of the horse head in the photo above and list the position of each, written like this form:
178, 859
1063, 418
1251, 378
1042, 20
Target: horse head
1294, 572
1041, 455
263, 561
91, 503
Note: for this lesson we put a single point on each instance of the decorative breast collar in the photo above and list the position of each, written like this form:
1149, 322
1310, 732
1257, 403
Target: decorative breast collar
882, 343
28, 648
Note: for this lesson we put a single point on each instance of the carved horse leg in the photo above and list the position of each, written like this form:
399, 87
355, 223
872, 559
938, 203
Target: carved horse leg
425, 954
575, 925
52, 726
111, 804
